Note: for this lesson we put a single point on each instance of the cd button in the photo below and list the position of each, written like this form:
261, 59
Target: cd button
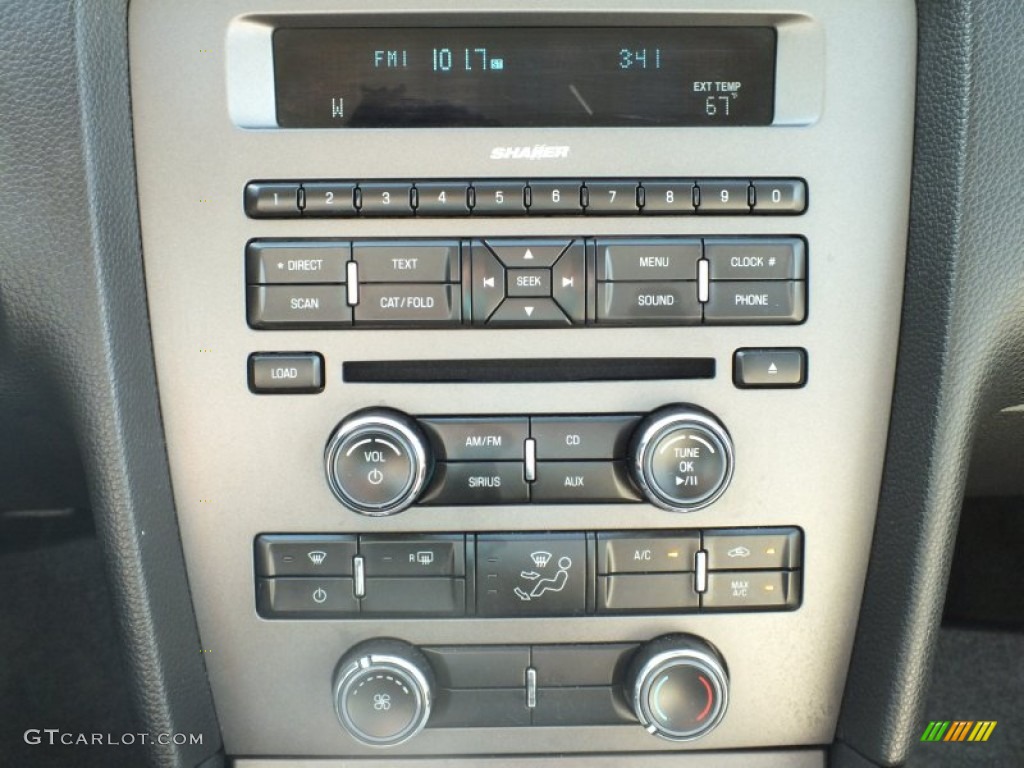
582, 437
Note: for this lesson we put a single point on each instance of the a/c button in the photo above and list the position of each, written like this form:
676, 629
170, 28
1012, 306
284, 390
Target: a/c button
658, 553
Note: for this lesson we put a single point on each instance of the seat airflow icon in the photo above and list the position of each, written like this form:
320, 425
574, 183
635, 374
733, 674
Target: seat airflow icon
317, 557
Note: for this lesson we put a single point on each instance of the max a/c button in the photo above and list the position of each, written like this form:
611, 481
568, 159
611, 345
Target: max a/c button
286, 373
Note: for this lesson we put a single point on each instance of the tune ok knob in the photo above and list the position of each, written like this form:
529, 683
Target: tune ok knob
682, 458
383, 691
377, 461
678, 687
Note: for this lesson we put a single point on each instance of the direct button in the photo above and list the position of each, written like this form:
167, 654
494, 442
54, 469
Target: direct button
411, 261
279, 374
296, 262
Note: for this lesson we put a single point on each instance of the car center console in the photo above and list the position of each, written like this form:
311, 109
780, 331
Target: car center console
525, 369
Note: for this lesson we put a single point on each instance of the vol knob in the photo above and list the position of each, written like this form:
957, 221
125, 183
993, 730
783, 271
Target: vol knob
383, 691
678, 687
377, 462
682, 458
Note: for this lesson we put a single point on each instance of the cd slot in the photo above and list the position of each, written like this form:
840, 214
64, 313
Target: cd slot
527, 371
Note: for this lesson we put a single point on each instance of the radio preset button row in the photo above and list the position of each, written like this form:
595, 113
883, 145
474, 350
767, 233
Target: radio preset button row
528, 574
520, 197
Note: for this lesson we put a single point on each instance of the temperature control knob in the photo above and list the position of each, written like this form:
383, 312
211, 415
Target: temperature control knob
377, 462
678, 687
682, 458
383, 691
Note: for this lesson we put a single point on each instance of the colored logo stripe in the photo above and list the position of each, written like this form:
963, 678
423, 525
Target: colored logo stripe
935, 730
958, 730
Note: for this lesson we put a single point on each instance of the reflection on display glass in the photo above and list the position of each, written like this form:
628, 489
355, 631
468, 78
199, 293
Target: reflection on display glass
524, 77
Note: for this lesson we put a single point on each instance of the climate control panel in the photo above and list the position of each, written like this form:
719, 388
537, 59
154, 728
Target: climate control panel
380, 461
373, 576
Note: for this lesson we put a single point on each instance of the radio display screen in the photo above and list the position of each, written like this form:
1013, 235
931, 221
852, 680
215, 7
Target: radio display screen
524, 77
